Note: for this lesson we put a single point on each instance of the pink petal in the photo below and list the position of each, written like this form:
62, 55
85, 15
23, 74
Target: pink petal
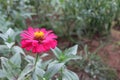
35, 46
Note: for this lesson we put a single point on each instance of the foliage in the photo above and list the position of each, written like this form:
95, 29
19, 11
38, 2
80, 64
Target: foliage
13, 14
68, 18
17, 65
78, 17
117, 17
98, 16
8, 41
93, 68
40, 70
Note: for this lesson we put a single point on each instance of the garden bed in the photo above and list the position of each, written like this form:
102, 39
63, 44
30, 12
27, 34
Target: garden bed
109, 53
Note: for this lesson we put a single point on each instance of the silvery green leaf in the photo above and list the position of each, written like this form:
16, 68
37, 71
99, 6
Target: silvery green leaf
4, 49
10, 44
34, 76
2, 74
40, 72
10, 32
4, 64
69, 75
26, 70
39, 63
38, 75
4, 25
71, 51
4, 37
44, 55
45, 64
9, 36
17, 49
7, 68
51, 71
52, 64
57, 52
30, 59
71, 57
16, 59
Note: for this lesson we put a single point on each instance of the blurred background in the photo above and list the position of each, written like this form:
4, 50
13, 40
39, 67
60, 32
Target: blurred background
95, 23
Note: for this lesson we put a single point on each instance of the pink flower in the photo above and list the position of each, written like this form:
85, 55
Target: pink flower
38, 40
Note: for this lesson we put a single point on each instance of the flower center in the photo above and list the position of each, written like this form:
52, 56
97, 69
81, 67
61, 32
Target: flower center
39, 35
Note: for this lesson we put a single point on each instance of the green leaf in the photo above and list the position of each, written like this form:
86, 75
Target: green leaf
71, 51
69, 75
16, 59
41, 78
2, 74
10, 32
71, 57
30, 59
40, 72
26, 70
3, 36
51, 64
17, 49
9, 45
10, 70
57, 52
4, 49
9, 36
51, 71
44, 55
45, 64
34, 76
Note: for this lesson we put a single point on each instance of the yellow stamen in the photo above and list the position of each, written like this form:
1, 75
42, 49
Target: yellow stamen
39, 35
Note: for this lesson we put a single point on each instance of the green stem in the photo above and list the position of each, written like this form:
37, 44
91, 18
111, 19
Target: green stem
37, 56
61, 71
36, 59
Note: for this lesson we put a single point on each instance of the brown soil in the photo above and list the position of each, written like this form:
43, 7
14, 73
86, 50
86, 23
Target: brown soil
110, 53
117, 28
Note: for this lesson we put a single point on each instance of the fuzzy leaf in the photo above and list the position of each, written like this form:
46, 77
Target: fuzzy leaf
30, 59
4, 49
39, 71
44, 55
71, 51
10, 32
6, 68
16, 59
9, 45
57, 52
17, 49
71, 57
2, 74
69, 75
9, 69
3, 36
45, 64
26, 70
53, 70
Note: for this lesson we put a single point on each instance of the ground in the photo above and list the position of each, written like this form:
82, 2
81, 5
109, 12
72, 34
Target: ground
109, 53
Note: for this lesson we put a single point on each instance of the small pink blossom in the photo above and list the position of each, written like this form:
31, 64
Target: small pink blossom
38, 40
